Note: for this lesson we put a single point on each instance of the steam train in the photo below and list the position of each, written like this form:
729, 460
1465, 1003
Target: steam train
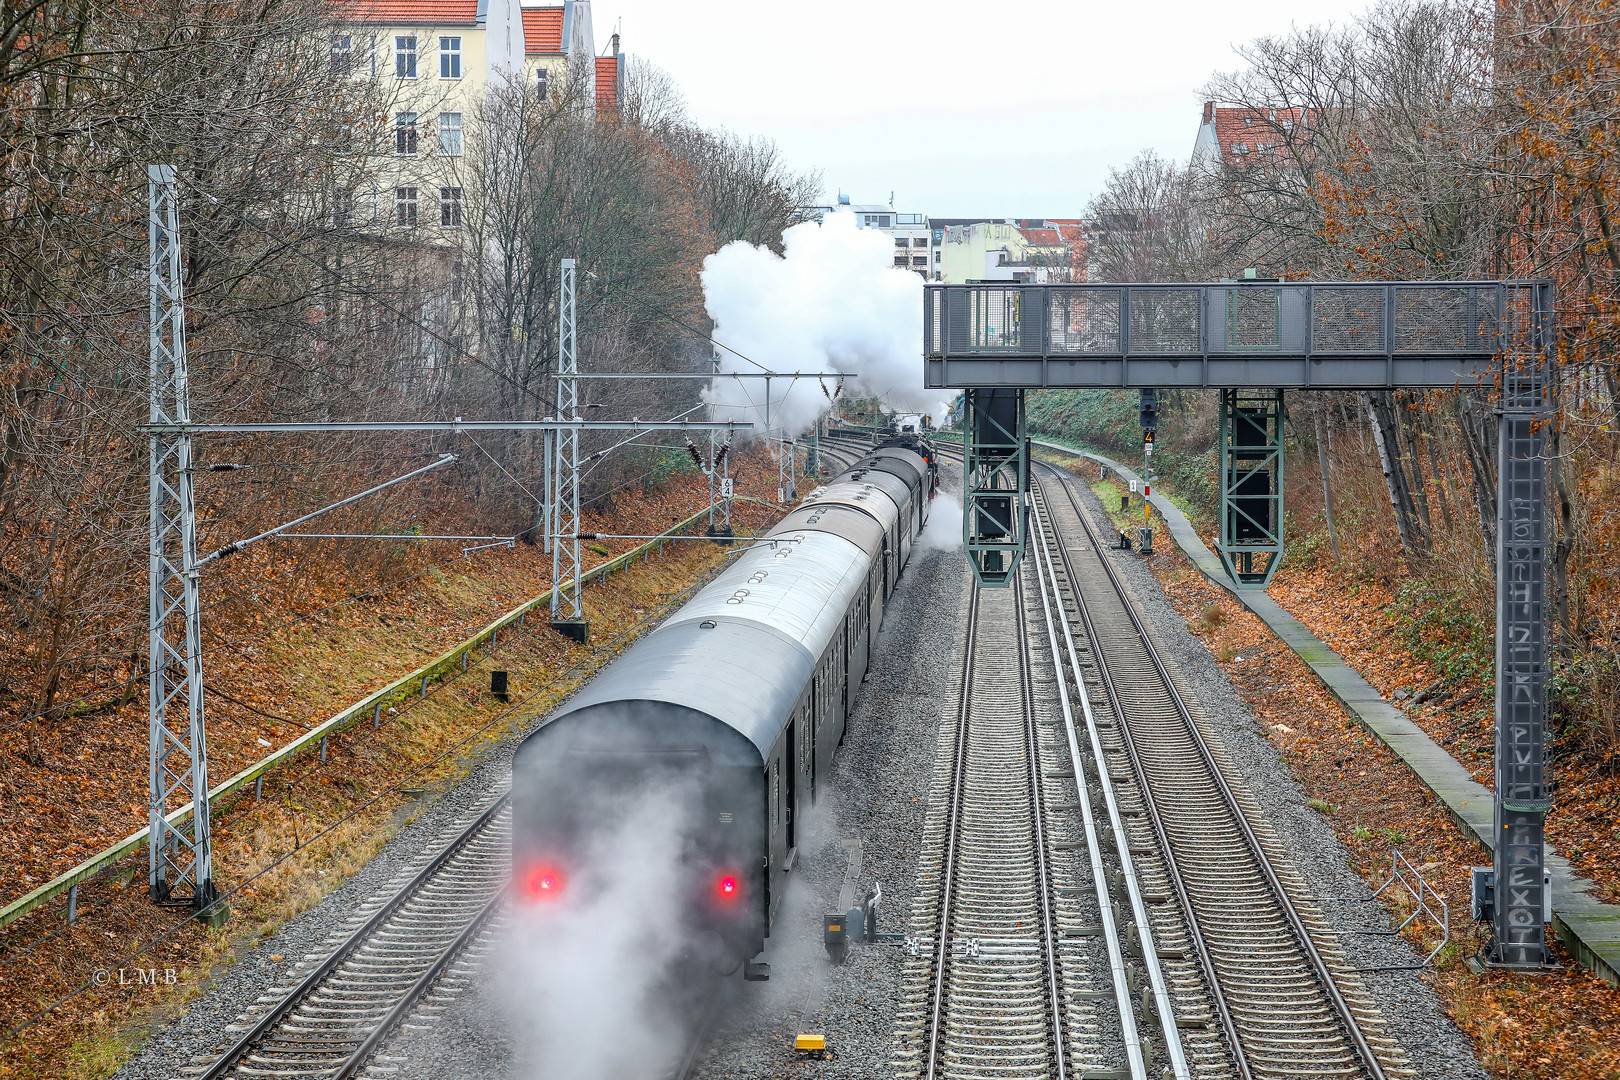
705, 744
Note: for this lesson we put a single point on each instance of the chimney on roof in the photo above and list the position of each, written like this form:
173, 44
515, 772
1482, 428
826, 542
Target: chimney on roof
1209, 112
615, 44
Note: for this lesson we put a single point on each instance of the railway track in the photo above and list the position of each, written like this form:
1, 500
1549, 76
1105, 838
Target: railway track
983, 982
1021, 962
341, 1006
1284, 1000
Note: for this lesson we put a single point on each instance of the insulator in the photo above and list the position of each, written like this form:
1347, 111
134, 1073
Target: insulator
720, 456
692, 451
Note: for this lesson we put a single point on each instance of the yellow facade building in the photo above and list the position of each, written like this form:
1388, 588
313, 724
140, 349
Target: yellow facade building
436, 59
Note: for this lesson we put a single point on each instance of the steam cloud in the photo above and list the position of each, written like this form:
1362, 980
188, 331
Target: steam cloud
944, 528
833, 301
591, 981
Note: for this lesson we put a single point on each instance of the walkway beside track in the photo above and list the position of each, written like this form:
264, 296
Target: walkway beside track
1589, 928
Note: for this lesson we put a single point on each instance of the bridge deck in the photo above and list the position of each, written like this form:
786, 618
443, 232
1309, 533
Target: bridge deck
1324, 336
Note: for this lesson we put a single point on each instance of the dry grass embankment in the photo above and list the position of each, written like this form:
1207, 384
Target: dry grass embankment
316, 822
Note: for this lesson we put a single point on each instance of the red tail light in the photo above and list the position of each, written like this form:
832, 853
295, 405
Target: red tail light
543, 883
728, 887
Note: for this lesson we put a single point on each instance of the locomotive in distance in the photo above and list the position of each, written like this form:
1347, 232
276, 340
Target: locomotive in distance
727, 715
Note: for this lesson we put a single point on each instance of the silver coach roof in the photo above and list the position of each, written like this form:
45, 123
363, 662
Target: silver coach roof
880, 494
801, 588
889, 457
775, 612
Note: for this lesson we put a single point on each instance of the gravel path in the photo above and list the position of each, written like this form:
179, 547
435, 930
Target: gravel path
1434, 1044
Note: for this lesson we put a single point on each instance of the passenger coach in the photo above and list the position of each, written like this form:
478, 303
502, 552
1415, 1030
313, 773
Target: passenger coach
728, 714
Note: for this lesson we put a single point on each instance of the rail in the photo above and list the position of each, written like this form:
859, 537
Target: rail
1047, 574
343, 1043
1131, 632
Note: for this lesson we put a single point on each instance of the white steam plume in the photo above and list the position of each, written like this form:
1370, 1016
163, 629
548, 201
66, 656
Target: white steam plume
833, 301
944, 528
591, 982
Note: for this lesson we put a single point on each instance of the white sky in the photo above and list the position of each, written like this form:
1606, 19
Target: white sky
1010, 108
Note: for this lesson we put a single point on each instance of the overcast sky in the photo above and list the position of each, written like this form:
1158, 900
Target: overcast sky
1014, 108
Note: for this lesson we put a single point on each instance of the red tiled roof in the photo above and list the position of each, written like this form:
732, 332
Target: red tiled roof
1042, 237
1248, 135
413, 12
607, 82
542, 31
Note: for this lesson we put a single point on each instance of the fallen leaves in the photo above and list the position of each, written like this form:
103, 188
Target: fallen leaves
309, 659
1563, 1025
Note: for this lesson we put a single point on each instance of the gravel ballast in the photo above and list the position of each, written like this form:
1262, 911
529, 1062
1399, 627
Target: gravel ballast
1433, 1042
873, 812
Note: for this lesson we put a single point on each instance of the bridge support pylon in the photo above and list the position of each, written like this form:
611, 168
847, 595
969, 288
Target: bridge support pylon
1251, 449
995, 466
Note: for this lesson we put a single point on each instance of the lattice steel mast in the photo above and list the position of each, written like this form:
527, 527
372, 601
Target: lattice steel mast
1521, 901
567, 614
179, 863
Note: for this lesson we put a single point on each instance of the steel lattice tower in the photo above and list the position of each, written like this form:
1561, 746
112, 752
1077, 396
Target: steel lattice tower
179, 865
567, 614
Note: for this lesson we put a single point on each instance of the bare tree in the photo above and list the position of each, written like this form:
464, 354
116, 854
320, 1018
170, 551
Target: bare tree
1146, 225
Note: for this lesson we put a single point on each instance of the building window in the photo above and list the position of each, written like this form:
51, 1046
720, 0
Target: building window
900, 241
450, 207
405, 205
343, 210
899, 260
919, 260
540, 80
342, 55
405, 133
450, 134
405, 56
449, 58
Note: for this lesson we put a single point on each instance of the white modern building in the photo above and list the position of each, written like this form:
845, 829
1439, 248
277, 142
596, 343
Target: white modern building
912, 238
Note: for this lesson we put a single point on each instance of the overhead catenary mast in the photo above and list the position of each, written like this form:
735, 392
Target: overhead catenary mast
567, 613
179, 861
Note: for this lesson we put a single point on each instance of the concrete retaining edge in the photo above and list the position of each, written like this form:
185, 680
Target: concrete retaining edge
398, 690
1589, 928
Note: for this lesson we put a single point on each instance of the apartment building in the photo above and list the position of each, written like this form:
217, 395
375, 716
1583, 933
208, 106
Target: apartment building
1028, 250
909, 233
439, 57
1241, 137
